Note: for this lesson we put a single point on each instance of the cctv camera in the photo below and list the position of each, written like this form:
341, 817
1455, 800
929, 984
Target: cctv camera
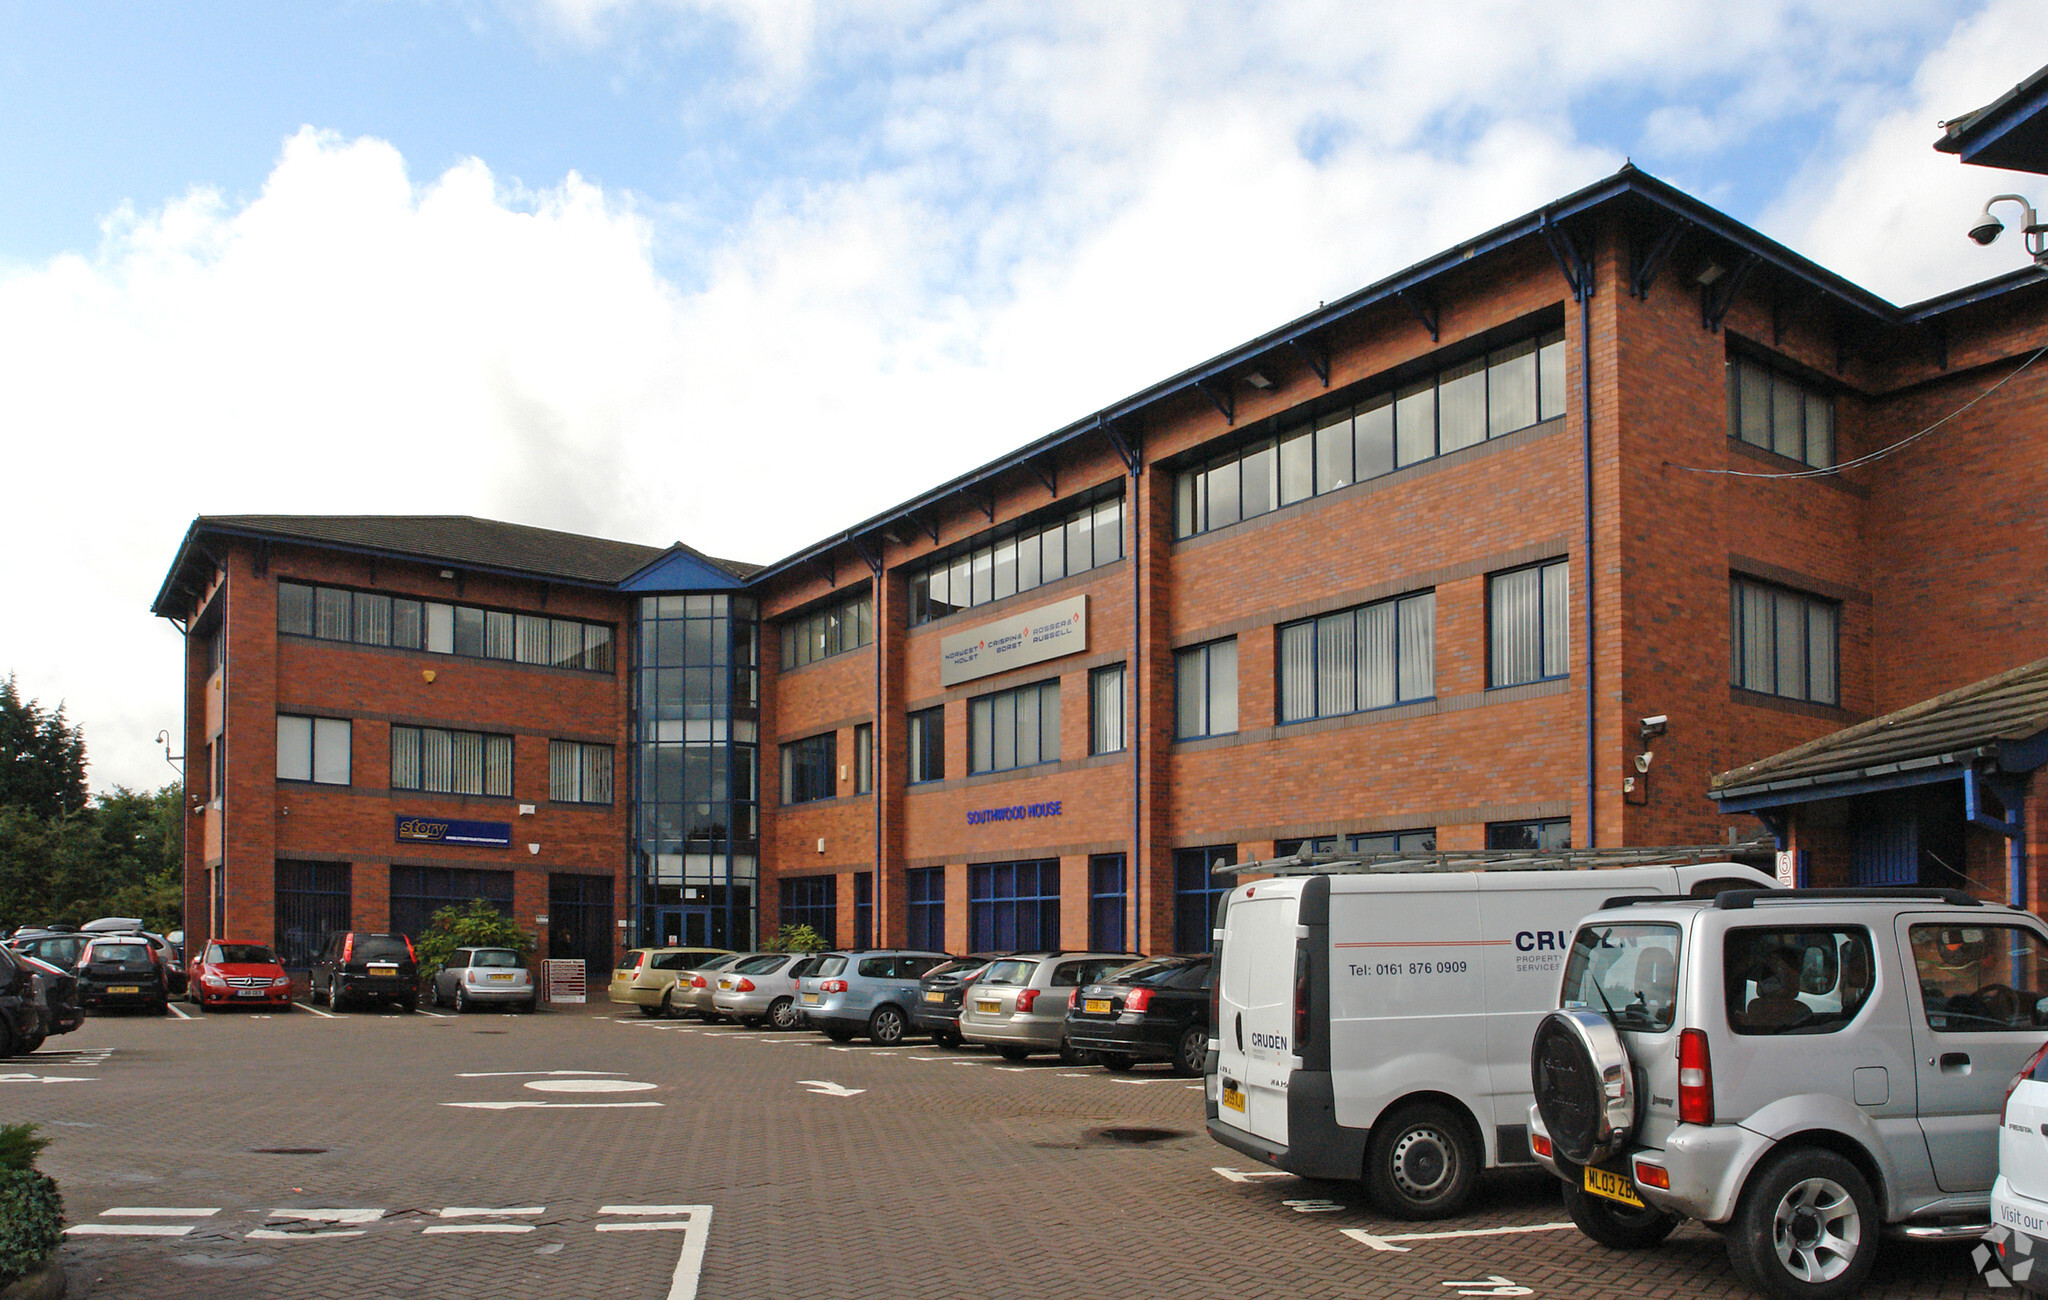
1986, 229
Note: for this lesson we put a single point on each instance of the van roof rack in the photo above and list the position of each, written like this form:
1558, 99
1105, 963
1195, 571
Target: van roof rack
1329, 864
1735, 899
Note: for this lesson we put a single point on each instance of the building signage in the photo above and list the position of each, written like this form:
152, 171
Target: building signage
1048, 632
1014, 813
438, 830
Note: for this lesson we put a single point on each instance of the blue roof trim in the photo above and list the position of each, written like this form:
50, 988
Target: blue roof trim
1987, 131
681, 570
1816, 789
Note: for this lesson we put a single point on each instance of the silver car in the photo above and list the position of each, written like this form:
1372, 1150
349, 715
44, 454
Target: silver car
870, 993
1804, 1070
474, 977
762, 989
1019, 1006
690, 995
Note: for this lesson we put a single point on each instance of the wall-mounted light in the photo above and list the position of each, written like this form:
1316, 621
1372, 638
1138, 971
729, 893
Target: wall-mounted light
1257, 379
447, 573
1708, 274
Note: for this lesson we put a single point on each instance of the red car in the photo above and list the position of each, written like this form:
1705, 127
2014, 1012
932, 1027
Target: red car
238, 974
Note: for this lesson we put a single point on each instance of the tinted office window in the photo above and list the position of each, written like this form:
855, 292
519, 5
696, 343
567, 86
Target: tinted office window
1529, 624
1014, 728
450, 762
1106, 902
1205, 690
924, 920
1016, 558
928, 745
1106, 710
807, 769
579, 773
1196, 887
1783, 642
1363, 658
1770, 409
1531, 836
833, 630
313, 749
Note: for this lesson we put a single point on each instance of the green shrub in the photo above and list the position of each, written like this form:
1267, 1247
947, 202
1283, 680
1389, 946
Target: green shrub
480, 925
19, 1146
31, 1221
794, 938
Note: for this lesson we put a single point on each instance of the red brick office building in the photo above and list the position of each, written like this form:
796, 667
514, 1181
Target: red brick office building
1413, 570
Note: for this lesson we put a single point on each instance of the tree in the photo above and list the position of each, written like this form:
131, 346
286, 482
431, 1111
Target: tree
794, 938
42, 757
480, 925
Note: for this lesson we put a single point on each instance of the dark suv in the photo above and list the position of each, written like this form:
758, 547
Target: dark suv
358, 966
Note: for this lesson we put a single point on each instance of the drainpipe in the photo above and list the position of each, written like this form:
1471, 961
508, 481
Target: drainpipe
1134, 733
875, 763
1584, 293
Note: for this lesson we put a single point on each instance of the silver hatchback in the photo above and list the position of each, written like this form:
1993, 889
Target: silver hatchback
762, 989
1019, 1006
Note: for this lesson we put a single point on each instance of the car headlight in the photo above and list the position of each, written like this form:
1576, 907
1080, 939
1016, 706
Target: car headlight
213, 981
281, 982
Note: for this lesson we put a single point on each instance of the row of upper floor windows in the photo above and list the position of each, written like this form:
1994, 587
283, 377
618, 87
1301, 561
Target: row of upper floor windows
378, 619
438, 760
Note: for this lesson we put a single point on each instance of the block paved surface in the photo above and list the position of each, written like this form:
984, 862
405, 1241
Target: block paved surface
306, 1156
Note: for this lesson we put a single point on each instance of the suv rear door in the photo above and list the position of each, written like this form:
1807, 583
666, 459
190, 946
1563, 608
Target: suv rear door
1977, 988
1255, 1010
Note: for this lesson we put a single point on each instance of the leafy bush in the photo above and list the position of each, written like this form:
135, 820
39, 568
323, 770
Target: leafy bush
794, 938
480, 925
19, 1146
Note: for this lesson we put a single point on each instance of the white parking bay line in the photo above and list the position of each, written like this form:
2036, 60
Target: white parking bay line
180, 1012
551, 1105
1381, 1243
465, 1211
653, 1209
128, 1230
515, 1074
1150, 1083
433, 1229
369, 1215
695, 1225
162, 1211
324, 1015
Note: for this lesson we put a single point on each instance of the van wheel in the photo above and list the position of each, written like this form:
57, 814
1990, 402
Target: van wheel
1806, 1227
1192, 1056
1614, 1225
1420, 1163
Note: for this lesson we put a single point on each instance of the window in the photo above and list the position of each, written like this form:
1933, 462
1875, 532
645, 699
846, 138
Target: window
1810, 980
813, 901
807, 769
928, 745
864, 758
1106, 710
313, 901
379, 619
1106, 902
1783, 642
1632, 969
863, 909
1356, 659
1205, 690
312, 749
1529, 624
1196, 887
1770, 409
579, 773
419, 892
1015, 728
1550, 836
822, 633
217, 765
1013, 559
1980, 978
1013, 906
1418, 841
450, 762
1488, 396
924, 906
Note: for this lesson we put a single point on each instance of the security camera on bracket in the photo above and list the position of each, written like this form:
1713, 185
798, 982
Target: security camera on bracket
1987, 228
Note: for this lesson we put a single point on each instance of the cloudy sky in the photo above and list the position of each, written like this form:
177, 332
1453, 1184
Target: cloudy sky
743, 272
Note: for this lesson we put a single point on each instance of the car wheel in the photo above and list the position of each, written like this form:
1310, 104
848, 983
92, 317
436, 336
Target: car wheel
839, 1035
1014, 1053
335, 997
1192, 1055
1072, 1055
529, 1006
782, 1014
1806, 1227
9, 1044
1115, 1062
461, 1001
668, 1005
1420, 1163
407, 1006
886, 1027
32, 1042
650, 1012
162, 1008
1614, 1225
946, 1038
200, 1003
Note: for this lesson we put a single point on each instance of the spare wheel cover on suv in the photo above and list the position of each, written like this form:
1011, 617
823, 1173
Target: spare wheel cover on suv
1585, 1089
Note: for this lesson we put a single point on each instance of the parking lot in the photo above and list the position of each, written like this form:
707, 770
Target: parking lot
587, 1151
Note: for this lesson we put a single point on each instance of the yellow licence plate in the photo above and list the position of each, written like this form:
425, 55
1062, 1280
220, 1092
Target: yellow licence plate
988, 1008
1613, 1186
1233, 1098
935, 997
501, 977
810, 997
124, 988
725, 985
1095, 1006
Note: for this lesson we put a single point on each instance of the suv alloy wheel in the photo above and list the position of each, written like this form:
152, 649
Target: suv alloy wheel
1806, 1227
885, 1027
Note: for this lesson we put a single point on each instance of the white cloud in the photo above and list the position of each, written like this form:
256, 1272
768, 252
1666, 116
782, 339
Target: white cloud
1042, 209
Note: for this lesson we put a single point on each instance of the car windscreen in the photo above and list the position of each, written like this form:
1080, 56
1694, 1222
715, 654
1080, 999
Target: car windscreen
760, 963
1010, 972
630, 960
1154, 972
380, 947
957, 966
831, 965
720, 963
495, 957
246, 954
1627, 972
112, 952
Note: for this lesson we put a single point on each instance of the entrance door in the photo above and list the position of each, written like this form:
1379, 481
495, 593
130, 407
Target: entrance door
697, 928
668, 927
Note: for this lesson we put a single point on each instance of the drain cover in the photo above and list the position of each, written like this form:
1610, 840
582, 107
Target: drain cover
1137, 1135
289, 1151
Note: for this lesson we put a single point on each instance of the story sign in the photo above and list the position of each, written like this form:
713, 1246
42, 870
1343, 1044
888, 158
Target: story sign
441, 830
1033, 637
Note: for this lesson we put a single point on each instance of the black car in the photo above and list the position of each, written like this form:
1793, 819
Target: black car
937, 1009
1157, 1010
57, 947
20, 1013
357, 966
59, 1005
121, 971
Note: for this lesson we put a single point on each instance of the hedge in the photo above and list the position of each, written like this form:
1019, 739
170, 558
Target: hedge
31, 1221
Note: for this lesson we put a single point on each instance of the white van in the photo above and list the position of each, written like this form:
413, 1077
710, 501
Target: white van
1373, 1022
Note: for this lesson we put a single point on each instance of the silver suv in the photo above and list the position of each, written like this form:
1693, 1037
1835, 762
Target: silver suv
848, 993
1800, 1069
1019, 1005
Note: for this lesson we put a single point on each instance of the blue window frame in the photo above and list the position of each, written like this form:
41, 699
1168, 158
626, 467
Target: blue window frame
924, 898
1013, 906
1543, 836
813, 901
863, 909
927, 734
807, 769
1106, 903
1014, 728
1529, 624
1205, 690
1196, 887
1368, 657
1418, 841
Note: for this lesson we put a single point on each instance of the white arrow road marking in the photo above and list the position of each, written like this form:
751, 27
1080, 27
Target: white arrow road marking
824, 1088
1380, 1243
550, 1105
588, 1085
1491, 1285
1246, 1175
128, 1230
518, 1074
44, 1078
162, 1211
695, 1225
316, 1216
